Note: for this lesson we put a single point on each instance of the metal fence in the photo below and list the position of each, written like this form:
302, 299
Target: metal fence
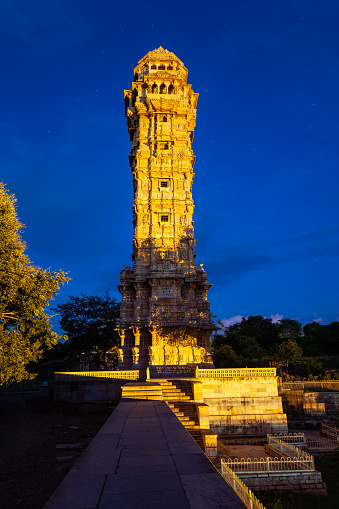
71, 376
330, 431
269, 465
243, 492
311, 384
292, 452
321, 444
299, 440
235, 373
289, 438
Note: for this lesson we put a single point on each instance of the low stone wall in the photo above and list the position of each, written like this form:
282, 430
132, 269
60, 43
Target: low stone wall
299, 482
87, 390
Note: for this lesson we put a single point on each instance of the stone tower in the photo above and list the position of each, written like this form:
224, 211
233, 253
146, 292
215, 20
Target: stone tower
164, 313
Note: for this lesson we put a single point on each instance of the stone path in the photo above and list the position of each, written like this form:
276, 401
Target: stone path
142, 458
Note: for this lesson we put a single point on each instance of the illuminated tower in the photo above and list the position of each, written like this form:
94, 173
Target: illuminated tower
164, 313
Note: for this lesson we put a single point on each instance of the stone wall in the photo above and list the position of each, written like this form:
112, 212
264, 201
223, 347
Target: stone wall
88, 391
317, 404
243, 405
299, 482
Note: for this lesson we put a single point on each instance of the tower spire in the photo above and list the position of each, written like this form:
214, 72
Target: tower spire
164, 313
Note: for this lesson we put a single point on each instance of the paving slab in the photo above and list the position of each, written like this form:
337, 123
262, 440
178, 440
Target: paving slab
143, 458
165, 499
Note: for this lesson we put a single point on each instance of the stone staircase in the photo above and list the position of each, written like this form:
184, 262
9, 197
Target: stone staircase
179, 397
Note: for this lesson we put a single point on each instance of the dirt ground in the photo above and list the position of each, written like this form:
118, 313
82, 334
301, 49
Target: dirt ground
31, 467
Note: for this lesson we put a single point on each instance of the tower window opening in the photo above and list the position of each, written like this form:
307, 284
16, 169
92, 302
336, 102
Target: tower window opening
164, 183
154, 89
164, 119
161, 67
134, 96
165, 292
170, 67
171, 89
163, 89
153, 66
164, 218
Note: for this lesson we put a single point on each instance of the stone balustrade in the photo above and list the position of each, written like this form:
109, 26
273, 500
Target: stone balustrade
235, 373
69, 376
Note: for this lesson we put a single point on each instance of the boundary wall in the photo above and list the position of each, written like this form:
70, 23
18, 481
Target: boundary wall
238, 401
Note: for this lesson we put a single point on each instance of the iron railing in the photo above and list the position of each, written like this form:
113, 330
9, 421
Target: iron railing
269, 465
243, 492
330, 432
289, 438
311, 384
291, 451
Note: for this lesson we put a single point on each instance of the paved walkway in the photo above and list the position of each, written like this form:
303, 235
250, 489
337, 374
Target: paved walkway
142, 458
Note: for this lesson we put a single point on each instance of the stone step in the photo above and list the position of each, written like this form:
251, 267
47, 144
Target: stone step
172, 393
187, 423
196, 435
177, 397
186, 418
190, 412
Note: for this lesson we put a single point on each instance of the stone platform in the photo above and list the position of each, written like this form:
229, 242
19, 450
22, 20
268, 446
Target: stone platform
143, 457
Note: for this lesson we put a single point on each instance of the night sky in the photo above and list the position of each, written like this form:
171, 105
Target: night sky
266, 174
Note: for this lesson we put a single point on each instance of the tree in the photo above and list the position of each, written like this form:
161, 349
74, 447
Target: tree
321, 338
218, 340
89, 322
289, 329
288, 351
25, 329
249, 348
312, 368
263, 330
225, 357
313, 341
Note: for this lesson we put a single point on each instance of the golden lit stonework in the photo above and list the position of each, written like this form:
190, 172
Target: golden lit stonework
164, 313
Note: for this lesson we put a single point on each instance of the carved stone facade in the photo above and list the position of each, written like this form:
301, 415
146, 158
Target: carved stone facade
164, 313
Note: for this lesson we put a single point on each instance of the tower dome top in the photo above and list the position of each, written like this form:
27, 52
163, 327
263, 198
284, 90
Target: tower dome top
160, 60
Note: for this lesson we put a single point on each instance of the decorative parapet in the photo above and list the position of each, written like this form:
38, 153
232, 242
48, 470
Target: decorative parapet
171, 371
71, 376
235, 373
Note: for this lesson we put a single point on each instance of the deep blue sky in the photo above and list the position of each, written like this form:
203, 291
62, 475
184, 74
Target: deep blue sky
266, 141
